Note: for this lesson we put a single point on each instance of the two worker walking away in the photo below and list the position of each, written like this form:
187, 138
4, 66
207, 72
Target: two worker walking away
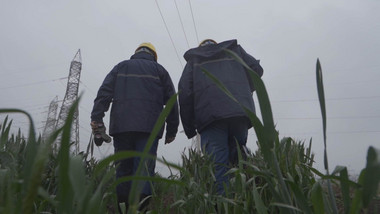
140, 87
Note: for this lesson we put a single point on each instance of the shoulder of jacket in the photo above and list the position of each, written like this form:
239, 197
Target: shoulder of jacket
123, 62
160, 67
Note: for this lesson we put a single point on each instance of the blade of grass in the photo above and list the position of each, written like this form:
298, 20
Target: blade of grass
135, 191
344, 186
32, 170
263, 98
259, 204
148, 178
317, 198
65, 189
300, 197
286, 206
95, 203
257, 125
5, 132
357, 201
127, 154
372, 176
77, 178
268, 135
321, 96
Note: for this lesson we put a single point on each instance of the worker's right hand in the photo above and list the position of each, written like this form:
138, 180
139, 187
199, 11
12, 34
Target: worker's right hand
97, 126
94, 126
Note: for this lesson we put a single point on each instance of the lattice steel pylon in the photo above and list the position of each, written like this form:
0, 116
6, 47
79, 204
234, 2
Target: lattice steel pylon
51, 119
70, 97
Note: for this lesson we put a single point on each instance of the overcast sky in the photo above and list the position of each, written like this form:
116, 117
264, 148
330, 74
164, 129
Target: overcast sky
39, 39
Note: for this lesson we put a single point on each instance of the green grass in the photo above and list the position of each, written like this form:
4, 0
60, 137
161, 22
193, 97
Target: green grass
277, 178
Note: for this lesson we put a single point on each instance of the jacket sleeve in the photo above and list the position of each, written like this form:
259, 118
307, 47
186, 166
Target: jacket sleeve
186, 101
104, 96
172, 121
253, 64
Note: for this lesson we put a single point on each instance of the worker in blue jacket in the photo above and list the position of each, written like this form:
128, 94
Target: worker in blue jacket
206, 109
138, 89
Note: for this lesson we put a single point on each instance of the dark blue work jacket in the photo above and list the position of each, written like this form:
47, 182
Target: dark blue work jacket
138, 89
201, 100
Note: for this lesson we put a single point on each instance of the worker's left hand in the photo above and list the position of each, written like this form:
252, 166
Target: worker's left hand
169, 139
94, 126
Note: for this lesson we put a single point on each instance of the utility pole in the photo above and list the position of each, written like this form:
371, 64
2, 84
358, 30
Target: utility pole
51, 119
71, 96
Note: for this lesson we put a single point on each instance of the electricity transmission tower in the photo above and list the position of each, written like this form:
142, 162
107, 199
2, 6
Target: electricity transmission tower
70, 97
51, 119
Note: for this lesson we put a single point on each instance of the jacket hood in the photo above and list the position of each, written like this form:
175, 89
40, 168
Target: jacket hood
143, 55
209, 50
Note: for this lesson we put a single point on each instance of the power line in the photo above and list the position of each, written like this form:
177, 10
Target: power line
192, 15
28, 69
183, 28
319, 118
331, 71
329, 99
83, 128
353, 132
331, 132
294, 134
87, 87
86, 110
167, 29
35, 83
30, 107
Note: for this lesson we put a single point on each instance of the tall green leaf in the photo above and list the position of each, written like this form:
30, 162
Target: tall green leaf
317, 198
259, 204
263, 98
267, 135
65, 188
371, 176
5, 127
135, 191
321, 96
357, 201
344, 186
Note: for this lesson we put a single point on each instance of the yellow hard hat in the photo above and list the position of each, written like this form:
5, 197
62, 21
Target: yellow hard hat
207, 42
149, 46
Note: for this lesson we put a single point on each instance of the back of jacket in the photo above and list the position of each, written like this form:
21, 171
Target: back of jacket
201, 100
138, 89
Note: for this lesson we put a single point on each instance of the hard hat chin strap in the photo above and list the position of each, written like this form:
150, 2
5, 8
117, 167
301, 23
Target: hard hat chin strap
144, 50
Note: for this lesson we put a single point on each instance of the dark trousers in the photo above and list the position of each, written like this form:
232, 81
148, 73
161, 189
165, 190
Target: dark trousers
133, 141
220, 140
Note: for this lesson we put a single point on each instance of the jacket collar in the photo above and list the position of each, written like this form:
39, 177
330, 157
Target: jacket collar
209, 50
143, 55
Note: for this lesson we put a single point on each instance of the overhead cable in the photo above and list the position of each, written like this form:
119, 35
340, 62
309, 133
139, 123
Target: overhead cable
183, 28
192, 15
171, 39
328, 99
87, 87
35, 83
335, 118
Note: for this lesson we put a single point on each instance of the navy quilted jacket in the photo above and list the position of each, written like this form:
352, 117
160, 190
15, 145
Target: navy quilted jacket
138, 89
201, 100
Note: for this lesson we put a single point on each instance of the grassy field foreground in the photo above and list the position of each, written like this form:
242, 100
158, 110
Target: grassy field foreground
277, 178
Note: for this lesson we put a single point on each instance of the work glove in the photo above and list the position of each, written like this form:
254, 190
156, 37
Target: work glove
169, 139
99, 132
